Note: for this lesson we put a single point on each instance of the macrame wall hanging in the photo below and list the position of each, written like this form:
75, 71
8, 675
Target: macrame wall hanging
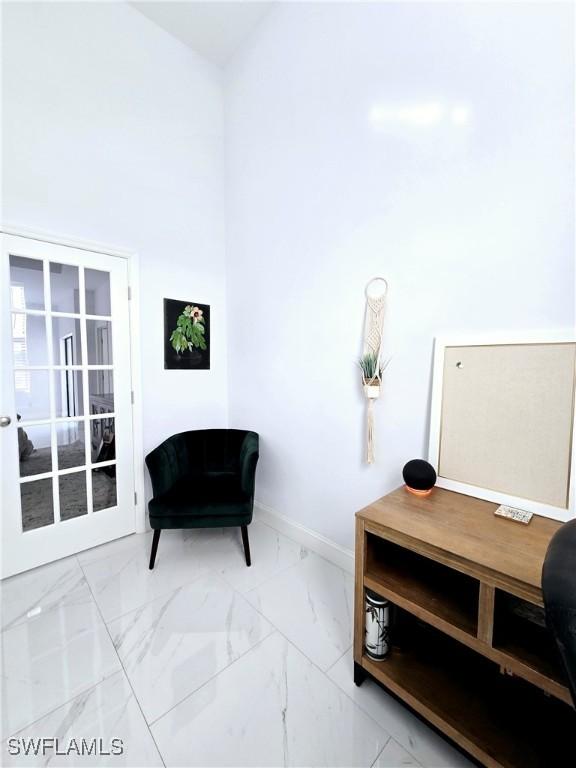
371, 360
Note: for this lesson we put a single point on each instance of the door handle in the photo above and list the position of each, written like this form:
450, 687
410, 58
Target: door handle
5, 421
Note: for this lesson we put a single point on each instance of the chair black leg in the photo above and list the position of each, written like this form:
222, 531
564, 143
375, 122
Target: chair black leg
244, 529
155, 541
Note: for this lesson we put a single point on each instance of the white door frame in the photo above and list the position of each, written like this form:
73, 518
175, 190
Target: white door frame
133, 263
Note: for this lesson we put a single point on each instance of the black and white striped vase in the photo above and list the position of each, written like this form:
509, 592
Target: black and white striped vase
377, 638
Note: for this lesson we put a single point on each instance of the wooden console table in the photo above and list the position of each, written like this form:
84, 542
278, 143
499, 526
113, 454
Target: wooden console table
470, 653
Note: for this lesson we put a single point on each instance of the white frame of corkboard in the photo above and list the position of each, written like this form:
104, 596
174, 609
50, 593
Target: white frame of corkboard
556, 512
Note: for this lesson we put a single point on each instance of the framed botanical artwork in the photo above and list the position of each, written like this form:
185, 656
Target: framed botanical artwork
186, 335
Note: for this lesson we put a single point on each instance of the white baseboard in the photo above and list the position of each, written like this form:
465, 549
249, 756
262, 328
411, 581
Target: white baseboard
333, 552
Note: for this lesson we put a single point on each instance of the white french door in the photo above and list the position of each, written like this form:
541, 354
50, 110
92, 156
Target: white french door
66, 449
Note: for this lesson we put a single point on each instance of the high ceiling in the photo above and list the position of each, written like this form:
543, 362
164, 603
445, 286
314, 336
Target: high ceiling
215, 30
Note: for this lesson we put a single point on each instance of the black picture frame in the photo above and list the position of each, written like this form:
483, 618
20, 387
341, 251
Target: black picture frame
188, 360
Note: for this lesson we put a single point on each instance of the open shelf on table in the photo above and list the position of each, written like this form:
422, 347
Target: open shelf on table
439, 594
521, 634
502, 721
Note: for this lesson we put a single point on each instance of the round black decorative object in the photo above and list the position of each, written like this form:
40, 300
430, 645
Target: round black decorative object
419, 476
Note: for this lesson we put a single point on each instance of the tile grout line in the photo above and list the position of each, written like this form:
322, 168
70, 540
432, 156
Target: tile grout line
208, 571
339, 658
237, 592
295, 541
78, 555
261, 613
329, 679
407, 746
270, 576
242, 595
388, 736
215, 574
63, 704
124, 672
147, 602
215, 675
379, 755
122, 669
80, 693
158, 597
290, 567
325, 674
247, 602
200, 575
244, 598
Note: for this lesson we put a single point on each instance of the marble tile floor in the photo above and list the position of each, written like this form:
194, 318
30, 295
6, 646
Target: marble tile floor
201, 662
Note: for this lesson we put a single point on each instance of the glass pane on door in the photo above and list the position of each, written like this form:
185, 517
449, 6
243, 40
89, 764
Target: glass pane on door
37, 504
97, 292
66, 341
99, 341
73, 495
104, 488
101, 391
26, 283
68, 394
64, 288
32, 395
103, 440
35, 449
29, 340
71, 444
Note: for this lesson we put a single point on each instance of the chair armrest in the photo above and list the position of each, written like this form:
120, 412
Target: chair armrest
249, 453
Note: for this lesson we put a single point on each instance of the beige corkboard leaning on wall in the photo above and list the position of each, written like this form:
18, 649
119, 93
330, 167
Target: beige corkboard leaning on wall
502, 422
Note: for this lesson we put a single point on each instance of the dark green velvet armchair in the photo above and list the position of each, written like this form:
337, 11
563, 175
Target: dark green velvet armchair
203, 479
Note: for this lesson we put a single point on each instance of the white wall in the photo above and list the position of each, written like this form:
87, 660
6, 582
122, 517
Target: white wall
465, 204
113, 133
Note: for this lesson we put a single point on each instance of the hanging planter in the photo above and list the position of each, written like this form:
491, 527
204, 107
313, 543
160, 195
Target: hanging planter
370, 364
372, 391
371, 375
